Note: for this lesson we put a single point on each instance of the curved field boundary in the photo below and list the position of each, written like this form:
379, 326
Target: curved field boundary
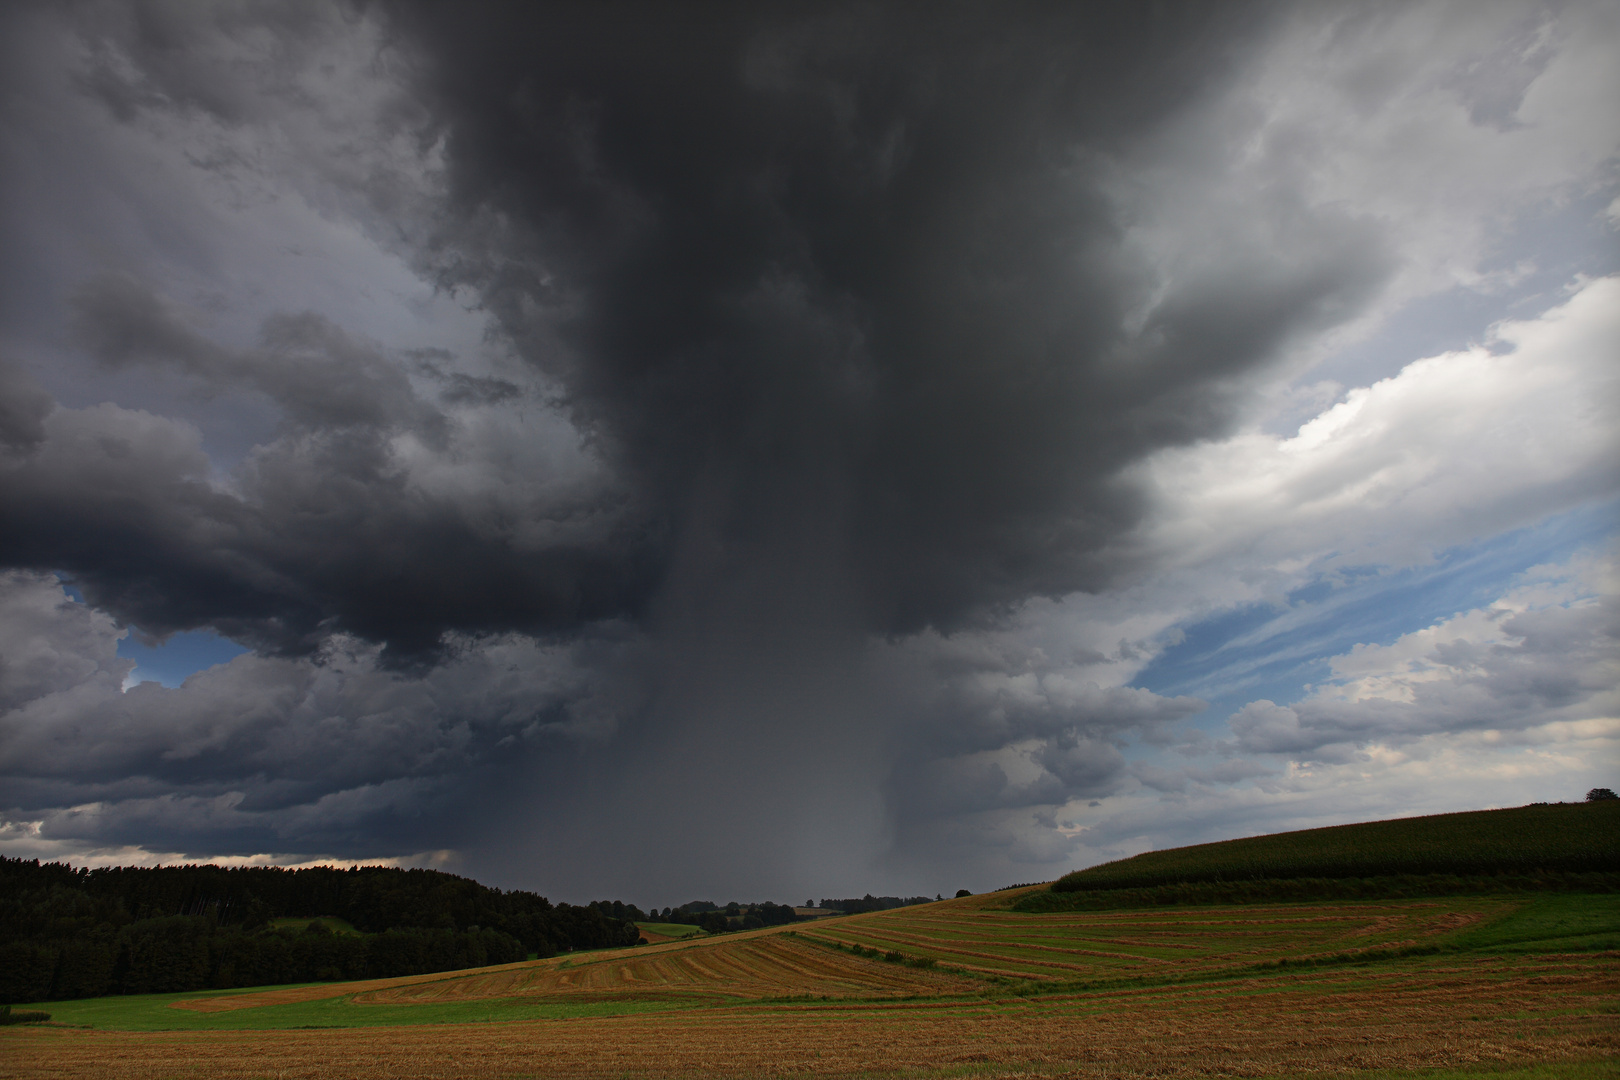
773, 965
1010, 944
974, 938
291, 994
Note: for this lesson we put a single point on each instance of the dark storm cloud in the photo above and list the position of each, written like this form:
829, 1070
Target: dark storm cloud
320, 377
847, 309
24, 405
849, 273
858, 259
317, 532
264, 753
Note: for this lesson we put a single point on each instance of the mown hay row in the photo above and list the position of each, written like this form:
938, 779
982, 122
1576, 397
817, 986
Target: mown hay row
776, 966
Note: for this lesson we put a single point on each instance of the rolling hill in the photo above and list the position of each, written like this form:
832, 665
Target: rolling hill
1556, 846
969, 984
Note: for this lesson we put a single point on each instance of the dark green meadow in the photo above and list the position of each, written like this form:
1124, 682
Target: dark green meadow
1562, 847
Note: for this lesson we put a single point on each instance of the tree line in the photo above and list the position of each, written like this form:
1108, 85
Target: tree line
875, 903
733, 916
67, 933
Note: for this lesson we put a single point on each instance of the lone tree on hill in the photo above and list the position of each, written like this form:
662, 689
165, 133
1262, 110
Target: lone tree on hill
1598, 794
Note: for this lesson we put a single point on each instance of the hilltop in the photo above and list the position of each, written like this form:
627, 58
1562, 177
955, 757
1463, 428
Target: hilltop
1537, 847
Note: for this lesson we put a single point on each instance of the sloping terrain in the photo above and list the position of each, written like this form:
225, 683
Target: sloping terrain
763, 964
982, 936
973, 985
1561, 838
975, 944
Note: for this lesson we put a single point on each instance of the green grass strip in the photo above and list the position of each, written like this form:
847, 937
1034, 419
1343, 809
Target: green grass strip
152, 1012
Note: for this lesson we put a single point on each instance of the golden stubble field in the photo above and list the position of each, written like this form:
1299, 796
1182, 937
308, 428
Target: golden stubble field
775, 1004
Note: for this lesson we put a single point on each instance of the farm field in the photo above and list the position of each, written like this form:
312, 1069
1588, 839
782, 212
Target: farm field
1410, 1014
656, 932
970, 988
1558, 838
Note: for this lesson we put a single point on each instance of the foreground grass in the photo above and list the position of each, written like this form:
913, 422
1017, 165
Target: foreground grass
1502, 1017
156, 1012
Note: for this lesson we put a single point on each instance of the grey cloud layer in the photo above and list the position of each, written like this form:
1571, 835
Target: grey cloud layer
860, 267
835, 335
278, 752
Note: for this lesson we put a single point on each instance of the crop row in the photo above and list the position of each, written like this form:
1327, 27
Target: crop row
1576, 838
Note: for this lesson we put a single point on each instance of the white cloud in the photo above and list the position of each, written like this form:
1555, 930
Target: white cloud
1544, 654
1422, 130
1517, 698
1455, 448
1434, 774
27, 839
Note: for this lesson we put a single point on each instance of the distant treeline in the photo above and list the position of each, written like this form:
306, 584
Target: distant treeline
875, 903
67, 933
733, 916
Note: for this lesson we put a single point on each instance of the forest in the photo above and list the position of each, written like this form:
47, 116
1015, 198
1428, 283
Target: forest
72, 933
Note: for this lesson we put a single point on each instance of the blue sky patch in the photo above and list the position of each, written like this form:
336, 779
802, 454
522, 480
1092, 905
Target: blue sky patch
180, 656
1275, 652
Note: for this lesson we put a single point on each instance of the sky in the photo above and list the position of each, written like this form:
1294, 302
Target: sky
769, 451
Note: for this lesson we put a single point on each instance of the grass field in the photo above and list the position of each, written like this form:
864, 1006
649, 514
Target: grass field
1511, 986
157, 1012
1566, 838
658, 931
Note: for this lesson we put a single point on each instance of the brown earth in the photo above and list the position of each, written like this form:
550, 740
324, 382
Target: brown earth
761, 965
1420, 1014
967, 939
799, 1002
255, 998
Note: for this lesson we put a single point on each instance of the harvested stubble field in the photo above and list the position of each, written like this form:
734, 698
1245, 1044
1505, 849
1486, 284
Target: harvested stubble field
1189, 992
978, 935
1415, 1014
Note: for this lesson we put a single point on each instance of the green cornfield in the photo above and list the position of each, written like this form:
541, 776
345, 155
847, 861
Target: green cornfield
1560, 838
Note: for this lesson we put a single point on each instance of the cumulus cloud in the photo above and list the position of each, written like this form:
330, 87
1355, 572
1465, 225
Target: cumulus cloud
1541, 655
1453, 448
266, 751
